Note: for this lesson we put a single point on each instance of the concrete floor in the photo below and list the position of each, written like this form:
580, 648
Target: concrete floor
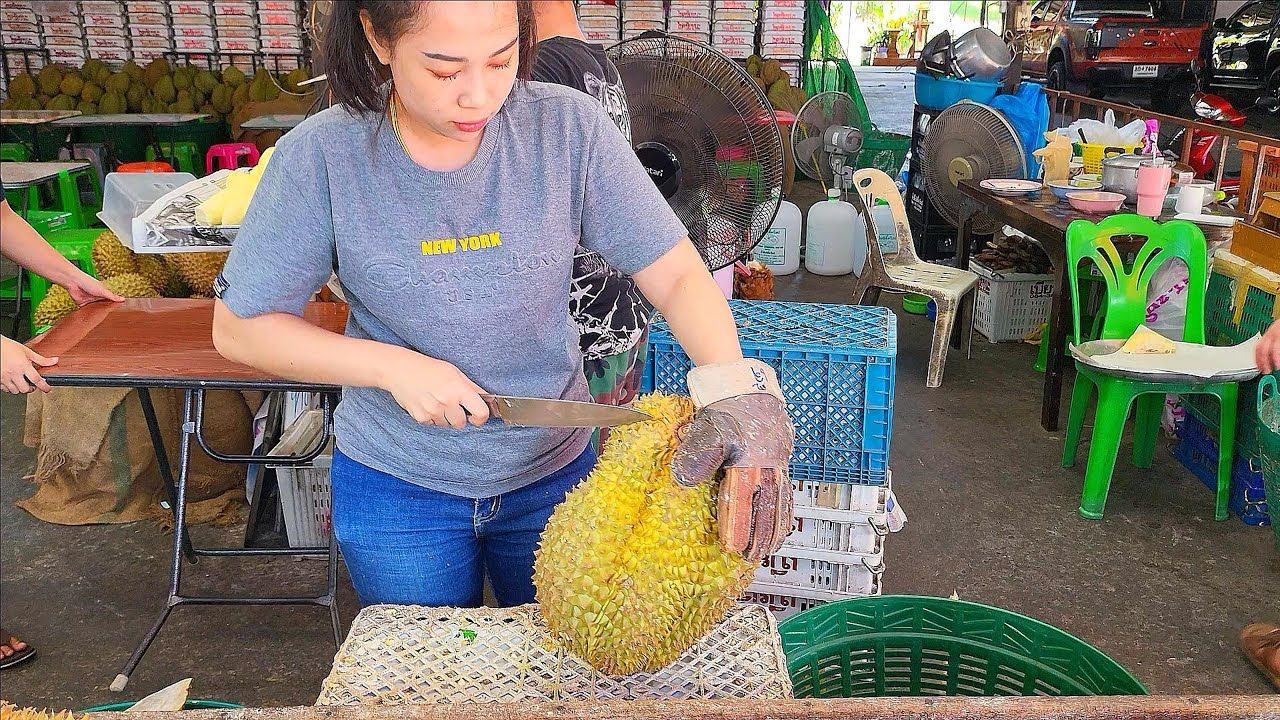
1158, 584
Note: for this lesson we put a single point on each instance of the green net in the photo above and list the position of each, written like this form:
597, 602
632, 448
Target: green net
1269, 417
827, 69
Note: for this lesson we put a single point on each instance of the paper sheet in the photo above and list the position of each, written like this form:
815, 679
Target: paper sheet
1192, 360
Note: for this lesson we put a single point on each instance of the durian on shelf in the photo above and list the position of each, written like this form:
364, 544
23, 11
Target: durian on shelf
173, 275
228, 205
629, 572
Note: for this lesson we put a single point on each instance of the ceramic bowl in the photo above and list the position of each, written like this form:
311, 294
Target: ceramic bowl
1095, 201
1076, 185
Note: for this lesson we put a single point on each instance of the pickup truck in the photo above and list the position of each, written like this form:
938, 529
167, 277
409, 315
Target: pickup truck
1096, 46
1244, 52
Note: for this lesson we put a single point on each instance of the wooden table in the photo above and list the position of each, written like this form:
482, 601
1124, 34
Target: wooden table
168, 343
273, 122
1044, 218
34, 117
22, 175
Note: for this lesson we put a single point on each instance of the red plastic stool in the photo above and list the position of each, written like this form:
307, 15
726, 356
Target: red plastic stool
226, 156
144, 167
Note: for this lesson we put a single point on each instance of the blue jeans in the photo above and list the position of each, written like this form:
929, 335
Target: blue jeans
406, 545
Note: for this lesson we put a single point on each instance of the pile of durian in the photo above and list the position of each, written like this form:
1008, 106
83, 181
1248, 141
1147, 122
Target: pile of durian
158, 88
9, 711
171, 275
630, 573
769, 75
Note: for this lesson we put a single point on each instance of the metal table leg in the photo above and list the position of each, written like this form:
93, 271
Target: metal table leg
1051, 405
964, 239
192, 409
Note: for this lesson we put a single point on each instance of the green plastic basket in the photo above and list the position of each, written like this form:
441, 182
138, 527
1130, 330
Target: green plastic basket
1269, 439
189, 705
904, 645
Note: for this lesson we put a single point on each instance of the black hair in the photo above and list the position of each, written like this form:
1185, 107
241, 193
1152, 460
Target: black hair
355, 73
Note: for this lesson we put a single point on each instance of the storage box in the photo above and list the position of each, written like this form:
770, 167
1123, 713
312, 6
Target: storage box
237, 44
201, 32
280, 31
144, 7
127, 195
785, 52
237, 33
1010, 306
102, 43
602, 35
736, 27
148, 20
1258, 245
689, 11
194, 44
836, 577
161, 42
774, 12
789, 28
282, 44
149, 31
836, 366
221, 9
10, 18
101, 7
190, 7
111, 55
274, 6
20, 39
278, 18
734, 45
747, 16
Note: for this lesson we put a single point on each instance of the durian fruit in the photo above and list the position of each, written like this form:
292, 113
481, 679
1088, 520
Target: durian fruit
197, 269
233, 76
22, 86
111, 257
155, 70
71, 84
164, 90
57, 304
131, 285
133, 70
112, 103
62, 102
263, 88
8, 711
630, 572
50, 79
118, 82
161, 276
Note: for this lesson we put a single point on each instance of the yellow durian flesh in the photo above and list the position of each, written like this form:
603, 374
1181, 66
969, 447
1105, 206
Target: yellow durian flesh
630, 572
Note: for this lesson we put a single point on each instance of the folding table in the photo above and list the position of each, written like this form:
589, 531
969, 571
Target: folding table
168, 343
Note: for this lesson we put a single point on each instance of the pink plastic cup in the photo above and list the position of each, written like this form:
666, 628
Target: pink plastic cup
1153, 186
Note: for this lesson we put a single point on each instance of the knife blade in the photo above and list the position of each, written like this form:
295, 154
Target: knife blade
543, 412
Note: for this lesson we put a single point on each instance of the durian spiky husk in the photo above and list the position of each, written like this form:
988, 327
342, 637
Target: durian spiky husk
162, 277
198, 269
9, 711
57, 304
630, 572
131, 285
111, 257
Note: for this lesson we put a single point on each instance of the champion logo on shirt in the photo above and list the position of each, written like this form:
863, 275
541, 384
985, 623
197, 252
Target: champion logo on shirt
471, 243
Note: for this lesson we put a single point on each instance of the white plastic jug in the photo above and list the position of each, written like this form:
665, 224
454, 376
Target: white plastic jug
886, 227
779, 249
836, 238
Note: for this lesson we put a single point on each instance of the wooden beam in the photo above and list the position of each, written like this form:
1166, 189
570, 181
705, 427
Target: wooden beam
1208, 707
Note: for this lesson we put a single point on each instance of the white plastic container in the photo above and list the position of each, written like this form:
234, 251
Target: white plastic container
127, 195
886, 228
779, 249
836, 239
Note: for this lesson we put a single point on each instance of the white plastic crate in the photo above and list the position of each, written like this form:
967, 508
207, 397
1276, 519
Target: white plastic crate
305, 492
1009, 306
838, 530
819, 575
782, 606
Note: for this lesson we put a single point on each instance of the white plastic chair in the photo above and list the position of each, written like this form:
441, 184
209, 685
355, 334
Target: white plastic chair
902, 270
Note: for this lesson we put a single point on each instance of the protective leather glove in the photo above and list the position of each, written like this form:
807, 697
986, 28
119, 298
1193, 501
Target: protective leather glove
741, 426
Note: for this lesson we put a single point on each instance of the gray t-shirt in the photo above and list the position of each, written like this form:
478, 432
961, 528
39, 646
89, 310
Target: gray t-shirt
470, 266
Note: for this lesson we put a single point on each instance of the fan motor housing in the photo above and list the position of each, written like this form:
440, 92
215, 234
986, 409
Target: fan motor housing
662, 165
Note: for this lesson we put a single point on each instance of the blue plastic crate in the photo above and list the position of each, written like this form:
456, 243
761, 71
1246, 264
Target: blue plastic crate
836, 365
1197, 450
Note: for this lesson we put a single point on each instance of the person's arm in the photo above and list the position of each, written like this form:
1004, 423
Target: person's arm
680, 287
284, 252
1267, 353
431, 391
23, 245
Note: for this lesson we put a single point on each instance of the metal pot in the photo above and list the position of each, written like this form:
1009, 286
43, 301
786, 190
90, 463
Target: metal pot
980, 54
1120, 174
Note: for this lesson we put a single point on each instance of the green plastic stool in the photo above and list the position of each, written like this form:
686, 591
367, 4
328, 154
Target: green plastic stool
70, 197
75, 245
1126, 309
14, 152
17, 152
47, 221
748, 169
183, 155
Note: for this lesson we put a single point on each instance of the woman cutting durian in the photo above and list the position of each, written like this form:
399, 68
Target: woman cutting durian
449, 193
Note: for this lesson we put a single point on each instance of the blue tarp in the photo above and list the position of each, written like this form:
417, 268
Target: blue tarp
1027, 110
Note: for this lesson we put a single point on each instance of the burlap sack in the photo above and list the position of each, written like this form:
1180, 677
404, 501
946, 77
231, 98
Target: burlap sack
95, 462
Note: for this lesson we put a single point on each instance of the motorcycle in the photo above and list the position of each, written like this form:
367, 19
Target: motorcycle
1215, 110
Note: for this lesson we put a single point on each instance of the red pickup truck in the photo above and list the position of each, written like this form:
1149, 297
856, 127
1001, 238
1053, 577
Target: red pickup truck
1096, 46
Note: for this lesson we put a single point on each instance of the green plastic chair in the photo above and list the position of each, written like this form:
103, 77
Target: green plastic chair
1125, 311
183, 155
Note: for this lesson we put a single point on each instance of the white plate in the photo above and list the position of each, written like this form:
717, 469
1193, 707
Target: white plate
1011, 188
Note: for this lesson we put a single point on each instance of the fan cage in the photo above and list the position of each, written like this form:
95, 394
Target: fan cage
717, 121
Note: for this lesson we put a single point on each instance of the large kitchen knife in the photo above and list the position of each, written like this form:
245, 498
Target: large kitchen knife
541, 412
